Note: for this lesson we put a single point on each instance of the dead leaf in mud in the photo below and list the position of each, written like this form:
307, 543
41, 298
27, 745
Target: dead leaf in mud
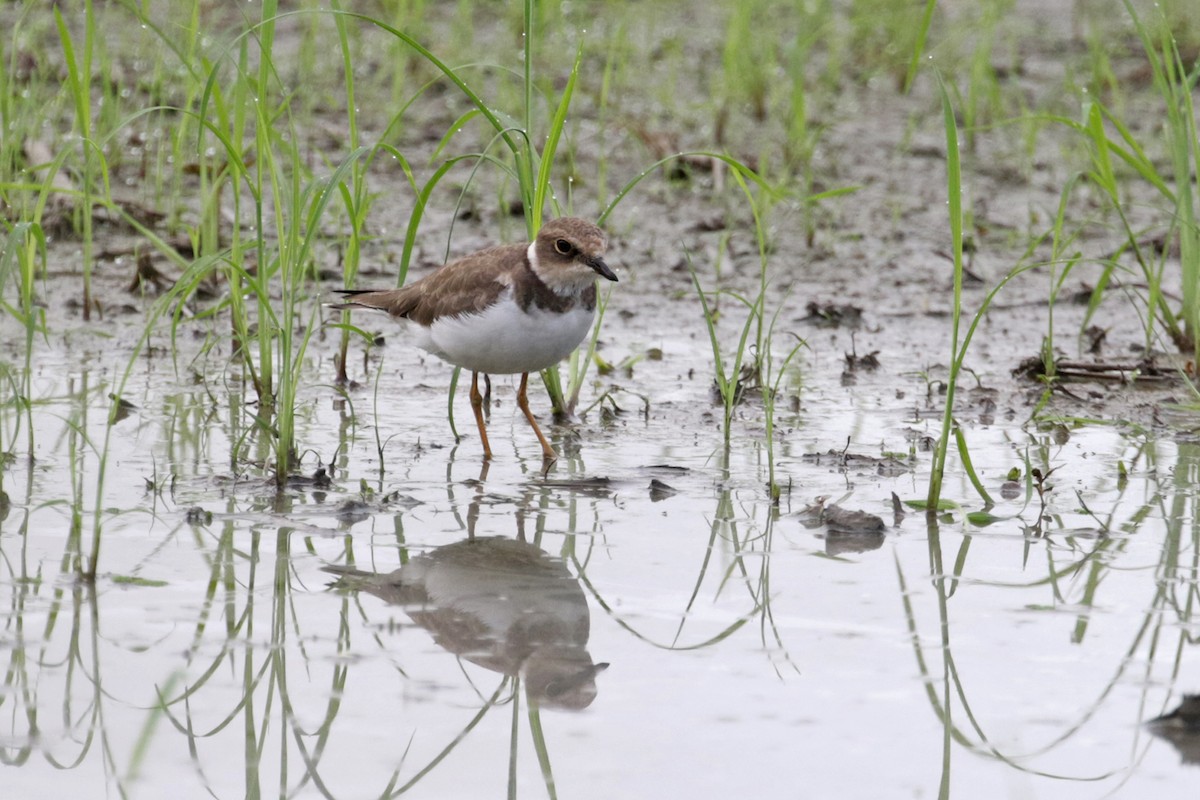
665, 144
62, 200
920, 440
147, 277
24, 66
1095, 336
747, 380
927, 151
661, 144
710, 224
1034, 368
213, 167
144, 215
610, 412
833, 315
868, 363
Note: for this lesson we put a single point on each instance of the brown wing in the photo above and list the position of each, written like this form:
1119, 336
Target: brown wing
465, 286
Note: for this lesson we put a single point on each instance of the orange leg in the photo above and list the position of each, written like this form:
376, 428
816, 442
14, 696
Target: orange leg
523, 403
477, 407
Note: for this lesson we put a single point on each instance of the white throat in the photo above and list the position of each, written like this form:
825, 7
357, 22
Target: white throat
531, 254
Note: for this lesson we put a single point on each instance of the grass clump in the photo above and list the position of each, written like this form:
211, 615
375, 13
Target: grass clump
1122, 166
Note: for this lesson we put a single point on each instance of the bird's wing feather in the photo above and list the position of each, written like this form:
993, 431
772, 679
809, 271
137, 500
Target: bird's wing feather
466, 286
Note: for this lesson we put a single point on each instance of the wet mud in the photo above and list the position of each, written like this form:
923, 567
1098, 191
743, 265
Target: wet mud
396, 617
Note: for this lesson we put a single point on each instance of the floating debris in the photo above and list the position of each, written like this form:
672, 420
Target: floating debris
661, 491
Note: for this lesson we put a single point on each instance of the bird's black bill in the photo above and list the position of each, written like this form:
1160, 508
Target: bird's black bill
601, 268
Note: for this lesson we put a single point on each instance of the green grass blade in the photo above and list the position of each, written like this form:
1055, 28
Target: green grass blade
954, 191
542, 184
964, 454
914, 63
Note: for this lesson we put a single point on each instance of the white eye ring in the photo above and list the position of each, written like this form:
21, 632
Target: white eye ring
563, 247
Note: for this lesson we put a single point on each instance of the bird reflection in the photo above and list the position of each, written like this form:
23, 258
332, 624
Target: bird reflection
1181, 728
503, 604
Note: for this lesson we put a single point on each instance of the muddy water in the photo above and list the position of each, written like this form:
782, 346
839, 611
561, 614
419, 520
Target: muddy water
642, 622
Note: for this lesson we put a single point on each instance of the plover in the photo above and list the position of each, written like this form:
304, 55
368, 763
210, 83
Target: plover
506, 310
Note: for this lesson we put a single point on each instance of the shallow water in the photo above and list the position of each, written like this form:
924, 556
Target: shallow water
750, 650
643, 622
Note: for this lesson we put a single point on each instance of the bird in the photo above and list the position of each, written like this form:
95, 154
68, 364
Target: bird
504, 310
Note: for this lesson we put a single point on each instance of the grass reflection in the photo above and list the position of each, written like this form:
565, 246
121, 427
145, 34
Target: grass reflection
1080, 572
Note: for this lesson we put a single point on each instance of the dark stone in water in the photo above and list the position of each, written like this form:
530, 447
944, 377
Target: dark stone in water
844, 520
851, 531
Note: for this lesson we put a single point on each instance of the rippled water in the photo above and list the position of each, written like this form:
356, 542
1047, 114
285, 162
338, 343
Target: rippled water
640, 623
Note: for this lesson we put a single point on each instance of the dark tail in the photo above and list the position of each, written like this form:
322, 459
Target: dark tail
351, 302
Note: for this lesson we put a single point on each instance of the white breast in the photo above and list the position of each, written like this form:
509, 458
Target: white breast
504, 340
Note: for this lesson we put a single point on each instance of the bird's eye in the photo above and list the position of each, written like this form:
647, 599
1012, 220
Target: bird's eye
563, 247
